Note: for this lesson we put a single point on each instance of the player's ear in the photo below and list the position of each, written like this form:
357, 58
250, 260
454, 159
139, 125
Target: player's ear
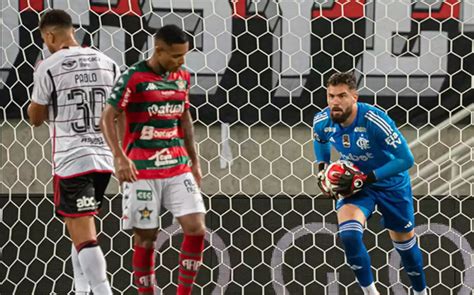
355, 95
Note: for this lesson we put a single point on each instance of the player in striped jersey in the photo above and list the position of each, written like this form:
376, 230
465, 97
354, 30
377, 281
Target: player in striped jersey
158, 162
367, 137
70, 88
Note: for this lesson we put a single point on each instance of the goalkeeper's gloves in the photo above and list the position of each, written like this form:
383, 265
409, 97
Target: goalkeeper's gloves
351, 181
322, 180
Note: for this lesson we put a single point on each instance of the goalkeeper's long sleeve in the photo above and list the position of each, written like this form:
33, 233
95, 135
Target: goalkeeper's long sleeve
322, 151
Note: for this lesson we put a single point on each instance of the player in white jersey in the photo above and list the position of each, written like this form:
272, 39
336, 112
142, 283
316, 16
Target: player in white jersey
70, 89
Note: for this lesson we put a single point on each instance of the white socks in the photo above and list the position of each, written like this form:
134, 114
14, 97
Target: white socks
370, 290
420, 293
81, 285
93, 265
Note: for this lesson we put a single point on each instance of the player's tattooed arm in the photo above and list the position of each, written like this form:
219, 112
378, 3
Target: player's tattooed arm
188, 129
125, 169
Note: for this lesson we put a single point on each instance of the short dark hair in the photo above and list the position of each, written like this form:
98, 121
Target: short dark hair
57, 18
346, 78
171, 34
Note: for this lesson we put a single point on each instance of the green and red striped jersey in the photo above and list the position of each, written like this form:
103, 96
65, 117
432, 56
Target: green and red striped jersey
153, 106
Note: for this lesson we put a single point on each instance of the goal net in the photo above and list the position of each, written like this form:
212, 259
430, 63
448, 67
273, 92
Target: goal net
258, 72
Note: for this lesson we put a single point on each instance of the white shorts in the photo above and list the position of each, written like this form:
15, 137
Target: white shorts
143, 200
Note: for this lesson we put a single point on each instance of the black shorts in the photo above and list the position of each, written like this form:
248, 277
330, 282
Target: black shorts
80, 195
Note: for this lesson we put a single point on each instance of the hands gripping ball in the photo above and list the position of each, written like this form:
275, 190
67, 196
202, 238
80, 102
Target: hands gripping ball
343, 179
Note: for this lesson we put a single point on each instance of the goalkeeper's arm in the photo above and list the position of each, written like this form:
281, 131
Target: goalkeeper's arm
322, 151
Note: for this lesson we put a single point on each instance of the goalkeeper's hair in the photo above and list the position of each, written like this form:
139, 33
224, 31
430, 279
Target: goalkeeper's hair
171, 34
55, 18
346, 78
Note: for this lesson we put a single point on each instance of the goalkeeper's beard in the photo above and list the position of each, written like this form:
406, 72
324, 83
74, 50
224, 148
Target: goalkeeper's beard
340, 117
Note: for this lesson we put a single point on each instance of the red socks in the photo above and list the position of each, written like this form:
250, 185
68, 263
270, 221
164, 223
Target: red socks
190, 259
143, 262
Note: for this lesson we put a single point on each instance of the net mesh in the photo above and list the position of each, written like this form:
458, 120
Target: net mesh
258, 69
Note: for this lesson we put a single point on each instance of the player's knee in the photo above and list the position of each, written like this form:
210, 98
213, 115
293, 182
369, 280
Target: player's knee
194, 229
350, 233
145, 237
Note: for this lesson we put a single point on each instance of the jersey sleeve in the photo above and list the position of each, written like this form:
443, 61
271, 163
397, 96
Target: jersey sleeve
119, 97
43, 86
382, 127
321, 146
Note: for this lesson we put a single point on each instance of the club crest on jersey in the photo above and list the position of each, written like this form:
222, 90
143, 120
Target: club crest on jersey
346, 142
363, 143
181, 84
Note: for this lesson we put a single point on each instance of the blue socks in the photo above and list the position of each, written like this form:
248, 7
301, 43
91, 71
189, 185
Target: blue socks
350, 233
412, 262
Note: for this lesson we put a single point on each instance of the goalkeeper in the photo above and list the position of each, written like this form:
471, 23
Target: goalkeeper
367, 137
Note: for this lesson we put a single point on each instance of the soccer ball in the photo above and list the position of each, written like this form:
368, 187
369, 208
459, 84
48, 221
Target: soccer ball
334, 171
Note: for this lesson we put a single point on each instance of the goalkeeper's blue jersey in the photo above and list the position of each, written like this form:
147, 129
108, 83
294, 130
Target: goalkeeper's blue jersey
372, 142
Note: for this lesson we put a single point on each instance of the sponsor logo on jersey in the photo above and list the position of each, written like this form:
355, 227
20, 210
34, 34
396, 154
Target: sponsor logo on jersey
191, 265
330, 129
69, 64
144, 195
85, 203
360, 129
355, 158
167, 92
124, 103
145, 213
167, 109
181, 84
363, 143
150, 132
86, 61
93, 140
393, 140
346, 142
163, 158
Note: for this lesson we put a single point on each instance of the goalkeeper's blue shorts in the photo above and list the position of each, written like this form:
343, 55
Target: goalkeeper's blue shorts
396, 206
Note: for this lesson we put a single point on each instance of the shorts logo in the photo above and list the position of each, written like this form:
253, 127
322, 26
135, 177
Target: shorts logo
190, 186
86, 203
363, 143
144, 195
145, 213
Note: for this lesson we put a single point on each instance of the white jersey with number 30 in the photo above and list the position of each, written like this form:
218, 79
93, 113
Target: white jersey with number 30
74, 83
